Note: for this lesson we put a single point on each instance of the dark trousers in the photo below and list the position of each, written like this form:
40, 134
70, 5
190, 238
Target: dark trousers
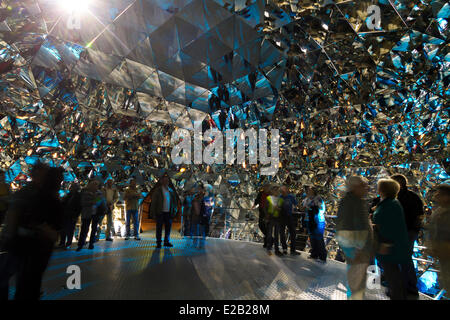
290, 224
393, 275
132, 214
8, 267
408, 270
318, 250
199, 231
187, 227
263, 227
85, 223
2, 216
109, 224
205, 226
273, 234
68, 231
163, 219
28, 264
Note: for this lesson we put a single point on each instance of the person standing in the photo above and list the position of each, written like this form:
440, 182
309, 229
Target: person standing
413, 211
131, 197
31, 230
164, 208
4, 196
354, 235
101, 209
287, 220
187, 212
315, 219
391, 235
89, 218
272, 214
438, 234
112, 195
260, 201
198, 212
208, 201
11, 242
72, 210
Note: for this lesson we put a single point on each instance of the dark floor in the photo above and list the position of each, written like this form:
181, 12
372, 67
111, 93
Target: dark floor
221, 269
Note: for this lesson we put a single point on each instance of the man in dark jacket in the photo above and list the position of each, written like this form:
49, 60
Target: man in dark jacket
164, 208
413, 210
260, 201
288, 220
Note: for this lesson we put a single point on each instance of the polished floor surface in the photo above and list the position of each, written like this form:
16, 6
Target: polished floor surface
217, 269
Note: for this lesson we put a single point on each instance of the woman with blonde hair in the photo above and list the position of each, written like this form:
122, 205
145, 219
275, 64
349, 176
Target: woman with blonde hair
392, 237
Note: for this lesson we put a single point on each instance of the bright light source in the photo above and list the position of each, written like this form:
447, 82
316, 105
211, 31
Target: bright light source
74, 5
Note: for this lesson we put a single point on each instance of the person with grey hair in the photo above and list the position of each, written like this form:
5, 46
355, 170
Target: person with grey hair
354, 235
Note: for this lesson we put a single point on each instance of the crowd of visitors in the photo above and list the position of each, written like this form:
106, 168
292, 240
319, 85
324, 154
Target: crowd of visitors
385, 229
276, 220
35, 217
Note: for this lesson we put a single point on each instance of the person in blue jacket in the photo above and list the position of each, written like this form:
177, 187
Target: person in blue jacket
315, 220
